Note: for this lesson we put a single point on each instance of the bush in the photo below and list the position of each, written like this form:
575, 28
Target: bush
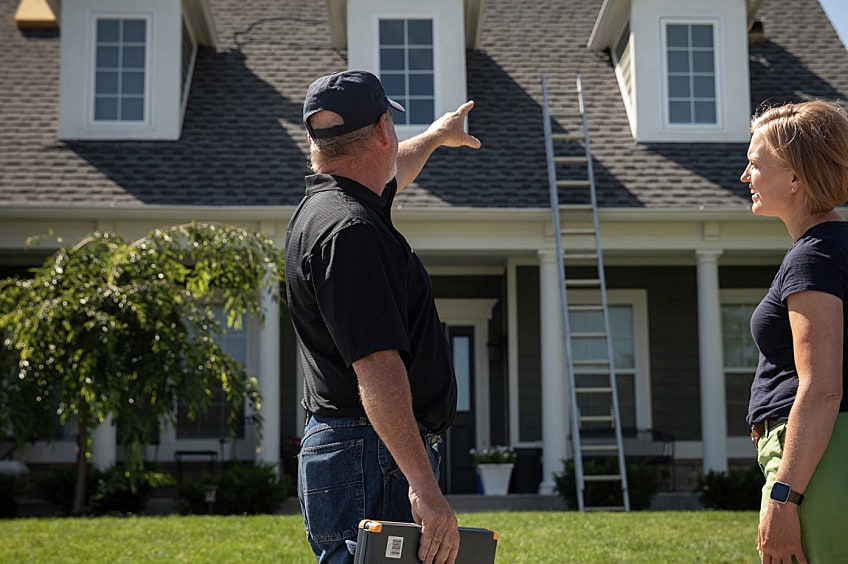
107, 491
115, 492
736, 490
12, 486
242, 489
643, 481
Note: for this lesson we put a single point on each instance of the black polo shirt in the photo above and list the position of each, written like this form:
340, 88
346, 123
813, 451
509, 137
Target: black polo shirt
355, 287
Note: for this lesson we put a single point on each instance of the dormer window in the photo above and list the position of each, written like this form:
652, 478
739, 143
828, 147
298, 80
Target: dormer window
406, 68
120, 70
690, 63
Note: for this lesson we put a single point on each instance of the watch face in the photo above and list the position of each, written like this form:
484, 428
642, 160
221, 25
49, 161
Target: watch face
780, 492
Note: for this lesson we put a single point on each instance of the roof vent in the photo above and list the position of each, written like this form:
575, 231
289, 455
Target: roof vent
33, 14
756, 31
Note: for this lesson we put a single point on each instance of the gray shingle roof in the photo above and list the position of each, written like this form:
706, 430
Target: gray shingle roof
243, 144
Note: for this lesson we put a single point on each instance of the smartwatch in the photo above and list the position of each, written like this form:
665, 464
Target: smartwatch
781, 493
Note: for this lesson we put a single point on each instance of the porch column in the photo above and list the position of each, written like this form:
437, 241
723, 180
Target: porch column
555, 408
269, 378
713, 405
104, 450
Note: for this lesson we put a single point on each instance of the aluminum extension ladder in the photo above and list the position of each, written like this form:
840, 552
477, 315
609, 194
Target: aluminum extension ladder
595, 419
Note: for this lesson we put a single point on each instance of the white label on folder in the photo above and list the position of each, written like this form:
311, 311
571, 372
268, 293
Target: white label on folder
394, 547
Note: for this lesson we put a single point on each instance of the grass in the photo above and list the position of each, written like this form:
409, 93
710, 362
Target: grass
537, 537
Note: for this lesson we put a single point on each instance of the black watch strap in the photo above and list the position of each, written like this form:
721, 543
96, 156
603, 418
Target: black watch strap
782, 492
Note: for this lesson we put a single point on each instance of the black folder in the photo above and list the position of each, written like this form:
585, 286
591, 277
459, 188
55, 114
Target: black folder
388, 542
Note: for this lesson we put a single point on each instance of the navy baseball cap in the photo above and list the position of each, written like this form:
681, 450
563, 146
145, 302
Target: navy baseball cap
356, 95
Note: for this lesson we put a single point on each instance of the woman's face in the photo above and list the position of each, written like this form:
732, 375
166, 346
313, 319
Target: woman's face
773, 186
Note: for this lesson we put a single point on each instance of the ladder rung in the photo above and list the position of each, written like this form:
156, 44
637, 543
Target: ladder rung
567, 136
602, 478
573, 183
576, 231
588, 282
566, 113
570, 160
585, 307
577, 207
593, 390
596, 419
588, 335
601, 362
599, 448
580, 256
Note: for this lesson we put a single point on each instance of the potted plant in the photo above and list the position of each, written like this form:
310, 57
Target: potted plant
494, 466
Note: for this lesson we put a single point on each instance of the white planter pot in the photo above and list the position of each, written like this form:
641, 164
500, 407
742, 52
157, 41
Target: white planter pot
495, 477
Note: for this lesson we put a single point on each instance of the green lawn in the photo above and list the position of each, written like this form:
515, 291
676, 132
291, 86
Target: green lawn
537, 537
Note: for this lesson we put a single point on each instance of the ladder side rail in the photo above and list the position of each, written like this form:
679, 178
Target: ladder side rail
554, 196
605, 305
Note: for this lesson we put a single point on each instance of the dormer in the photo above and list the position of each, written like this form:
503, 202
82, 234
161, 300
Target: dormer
126, 67
416, 48
682, 66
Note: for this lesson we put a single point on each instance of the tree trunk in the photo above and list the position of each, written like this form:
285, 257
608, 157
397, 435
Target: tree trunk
82, 469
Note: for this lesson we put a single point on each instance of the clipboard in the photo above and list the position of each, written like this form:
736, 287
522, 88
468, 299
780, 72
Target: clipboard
390, 542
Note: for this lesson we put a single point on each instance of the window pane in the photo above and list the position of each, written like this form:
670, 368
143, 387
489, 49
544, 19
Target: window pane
421, 84
678, 87
132, 83
679, 112
704, 87
133, 58
739, 349
107, 57
678, 61
392, 59
391, 32
420, 32
134, 31
461, 345
105, 109
108, 31
394, 85
106, 82
621, 326
678, 35
702, 61
705, 112
132, 109
421, 59
702, 36
420, 111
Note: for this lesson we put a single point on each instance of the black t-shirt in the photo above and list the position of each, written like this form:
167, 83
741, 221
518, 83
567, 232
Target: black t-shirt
355, 287
817, 261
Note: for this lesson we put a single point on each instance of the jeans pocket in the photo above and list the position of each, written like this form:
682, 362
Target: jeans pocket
331, 488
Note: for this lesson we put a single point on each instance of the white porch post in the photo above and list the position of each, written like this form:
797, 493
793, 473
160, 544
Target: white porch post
555, 407
104, 450
713, 405
269, 379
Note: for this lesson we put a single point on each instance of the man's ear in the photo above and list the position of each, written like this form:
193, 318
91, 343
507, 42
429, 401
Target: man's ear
383, 124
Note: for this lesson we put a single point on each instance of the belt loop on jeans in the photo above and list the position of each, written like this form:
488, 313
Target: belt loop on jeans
761, 429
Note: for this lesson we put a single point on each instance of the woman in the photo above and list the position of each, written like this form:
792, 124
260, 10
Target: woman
798, 172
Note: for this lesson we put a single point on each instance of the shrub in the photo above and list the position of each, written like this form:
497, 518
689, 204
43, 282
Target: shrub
493, 455
241, 489
735, 490
643, 481
115, 492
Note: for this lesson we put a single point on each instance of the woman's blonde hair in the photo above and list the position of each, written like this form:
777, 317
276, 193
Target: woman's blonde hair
811, 139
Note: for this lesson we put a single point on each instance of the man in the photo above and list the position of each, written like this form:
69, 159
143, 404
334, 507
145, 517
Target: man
378, 384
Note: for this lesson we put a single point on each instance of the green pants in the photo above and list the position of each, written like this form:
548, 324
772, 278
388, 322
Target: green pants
824, 511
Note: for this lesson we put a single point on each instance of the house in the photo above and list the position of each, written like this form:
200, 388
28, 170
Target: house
129, 115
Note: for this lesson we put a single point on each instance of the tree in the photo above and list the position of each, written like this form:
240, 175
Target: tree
126, 328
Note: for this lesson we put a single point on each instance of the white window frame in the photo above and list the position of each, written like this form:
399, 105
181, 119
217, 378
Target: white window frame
637, 299
91, 91
186, 86
717, 69
739, 446
435, 48
449, 74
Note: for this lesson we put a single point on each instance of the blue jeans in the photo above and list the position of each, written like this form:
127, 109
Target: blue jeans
346, 474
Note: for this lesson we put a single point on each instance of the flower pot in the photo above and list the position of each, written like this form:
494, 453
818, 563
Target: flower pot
495, 477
